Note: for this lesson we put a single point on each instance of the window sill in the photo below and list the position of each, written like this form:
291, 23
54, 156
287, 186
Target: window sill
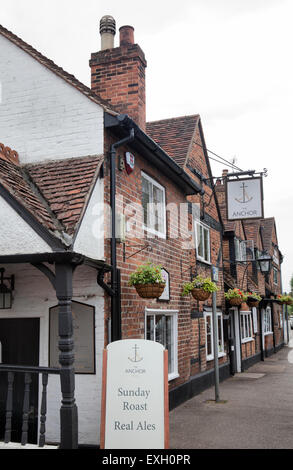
202, 260
247, 340
268, 333
173, 376
150, 231
211, 358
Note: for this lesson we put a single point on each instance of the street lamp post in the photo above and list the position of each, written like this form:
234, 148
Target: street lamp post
215, 336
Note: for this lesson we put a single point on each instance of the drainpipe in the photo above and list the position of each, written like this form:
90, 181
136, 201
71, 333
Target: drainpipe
262, 356
273, 325
115, 278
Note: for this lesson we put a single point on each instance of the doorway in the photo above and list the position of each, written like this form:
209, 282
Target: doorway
19, 339
236, 334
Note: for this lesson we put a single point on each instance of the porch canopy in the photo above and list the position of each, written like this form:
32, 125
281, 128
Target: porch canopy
49, 218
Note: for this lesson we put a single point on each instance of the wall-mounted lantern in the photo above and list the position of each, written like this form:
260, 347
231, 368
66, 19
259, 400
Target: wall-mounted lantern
265, 262
6, 289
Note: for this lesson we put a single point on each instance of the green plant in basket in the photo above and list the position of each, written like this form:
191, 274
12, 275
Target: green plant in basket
253, 296
199, 282
148, 281
235, 294
146, 274
285, 299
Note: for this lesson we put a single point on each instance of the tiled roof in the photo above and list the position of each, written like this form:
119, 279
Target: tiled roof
267, 232
173, 135
54, 193
14, 180
71, 79
66, 186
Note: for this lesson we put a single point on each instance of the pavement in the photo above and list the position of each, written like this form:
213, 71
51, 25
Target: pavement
255, 410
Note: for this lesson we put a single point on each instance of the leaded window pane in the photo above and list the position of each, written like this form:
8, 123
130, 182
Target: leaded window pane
146, 192
206, 244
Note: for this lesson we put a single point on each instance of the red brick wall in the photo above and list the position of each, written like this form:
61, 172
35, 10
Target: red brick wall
169, 253
196, 159
118, 76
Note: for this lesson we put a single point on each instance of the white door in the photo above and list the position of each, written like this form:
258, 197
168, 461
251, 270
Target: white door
237, 339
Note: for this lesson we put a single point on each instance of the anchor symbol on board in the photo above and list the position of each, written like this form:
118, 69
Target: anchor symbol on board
245, 197
136, 358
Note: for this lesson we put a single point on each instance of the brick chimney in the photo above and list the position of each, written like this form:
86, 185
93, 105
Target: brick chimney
118, 73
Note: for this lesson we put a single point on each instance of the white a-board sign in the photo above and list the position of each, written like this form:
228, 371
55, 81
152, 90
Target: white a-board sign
135, 412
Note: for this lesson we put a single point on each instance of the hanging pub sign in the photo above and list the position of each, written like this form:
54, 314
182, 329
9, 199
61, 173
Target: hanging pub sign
244, 198
135, 412
129, 162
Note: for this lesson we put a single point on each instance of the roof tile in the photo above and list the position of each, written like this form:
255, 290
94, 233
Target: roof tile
65, 185
174, 135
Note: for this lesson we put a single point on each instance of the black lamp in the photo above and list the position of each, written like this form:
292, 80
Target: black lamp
6, 289
265, 262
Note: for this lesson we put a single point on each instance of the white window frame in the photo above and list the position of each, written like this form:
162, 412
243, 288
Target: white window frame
207, 228
258, 255
150, 229
254, 319
240, 249
245, 316
276, 257
174, 313
281, 319
209, 313
275, 271
267, 321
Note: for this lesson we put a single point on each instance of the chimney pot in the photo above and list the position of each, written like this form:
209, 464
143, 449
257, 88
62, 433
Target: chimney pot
126, 35
107, 32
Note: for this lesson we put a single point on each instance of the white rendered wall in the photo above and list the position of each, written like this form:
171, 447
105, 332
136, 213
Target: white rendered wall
16, 236
41, 116
31, 302
90, 237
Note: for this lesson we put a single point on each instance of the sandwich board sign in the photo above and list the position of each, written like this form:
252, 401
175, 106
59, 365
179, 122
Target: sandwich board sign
135, 408
244, 198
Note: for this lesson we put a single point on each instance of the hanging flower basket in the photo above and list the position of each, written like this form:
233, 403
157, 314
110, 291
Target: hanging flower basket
200, 294
253, 299
200, 288
235, 297
150, 291
148, 281
252, 302
285, 299
235, 301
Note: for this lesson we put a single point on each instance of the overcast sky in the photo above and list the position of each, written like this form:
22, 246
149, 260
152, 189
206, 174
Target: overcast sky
228, 60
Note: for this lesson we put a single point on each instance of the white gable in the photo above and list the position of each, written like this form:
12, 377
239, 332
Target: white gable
90, 237
16, 236
41, 116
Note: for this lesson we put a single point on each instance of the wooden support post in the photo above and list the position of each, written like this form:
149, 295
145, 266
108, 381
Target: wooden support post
68, 411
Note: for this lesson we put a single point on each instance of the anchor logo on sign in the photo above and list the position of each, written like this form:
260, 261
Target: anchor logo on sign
136, 357
245, 197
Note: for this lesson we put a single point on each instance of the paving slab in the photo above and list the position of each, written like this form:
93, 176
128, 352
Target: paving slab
256, 411
248, 375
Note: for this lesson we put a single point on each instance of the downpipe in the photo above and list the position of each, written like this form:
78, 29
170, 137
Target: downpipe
115, 277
